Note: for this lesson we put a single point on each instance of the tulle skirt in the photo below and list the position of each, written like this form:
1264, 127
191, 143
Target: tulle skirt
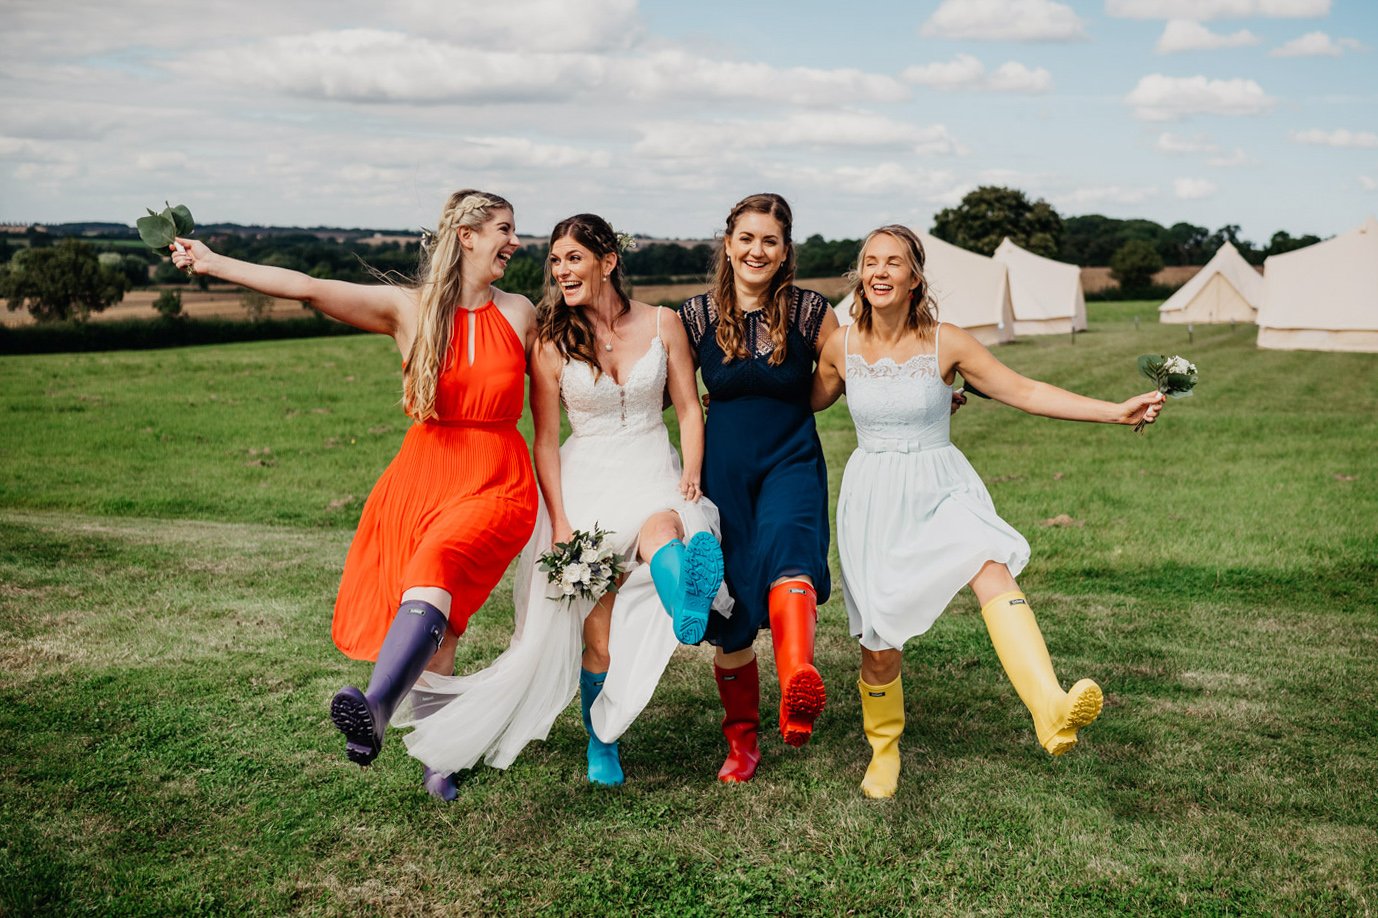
616, 483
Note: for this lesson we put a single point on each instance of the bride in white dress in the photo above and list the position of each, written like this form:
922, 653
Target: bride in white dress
914, 521
610, 361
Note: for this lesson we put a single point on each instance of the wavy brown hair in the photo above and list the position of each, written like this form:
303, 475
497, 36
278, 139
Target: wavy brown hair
569, 328
438, 283
731, 336
920, 318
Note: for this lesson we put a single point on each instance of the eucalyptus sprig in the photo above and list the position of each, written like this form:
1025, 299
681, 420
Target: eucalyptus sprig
159, 230
1173, 376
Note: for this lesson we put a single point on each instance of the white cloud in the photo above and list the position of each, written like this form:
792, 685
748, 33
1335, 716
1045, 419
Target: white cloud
1095, 196
1173, 143
1004, 20
888, 180
1315, 44
1187, 35
1201, 10
1230, 160
1163, 98
527, 25
1368, 183
371, 65
1337, 138
1193, 189
1013, 76
966, 72
813, 130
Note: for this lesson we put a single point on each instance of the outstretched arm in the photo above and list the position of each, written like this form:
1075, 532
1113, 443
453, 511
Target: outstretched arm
963, 353
830, 376
380, 308
545, 413
684, 395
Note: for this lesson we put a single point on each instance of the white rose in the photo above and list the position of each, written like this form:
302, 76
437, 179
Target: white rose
588, 556
576, 573
568, 590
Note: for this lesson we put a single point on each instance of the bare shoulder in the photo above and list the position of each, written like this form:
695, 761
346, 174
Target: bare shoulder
514, 304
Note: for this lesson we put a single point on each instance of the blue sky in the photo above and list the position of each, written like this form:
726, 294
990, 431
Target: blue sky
660, 115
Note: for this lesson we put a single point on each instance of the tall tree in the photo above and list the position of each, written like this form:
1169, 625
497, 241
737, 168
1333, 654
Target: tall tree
64, 281
991, 212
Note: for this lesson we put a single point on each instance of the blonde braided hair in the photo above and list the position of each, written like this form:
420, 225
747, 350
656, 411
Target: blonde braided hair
439, 284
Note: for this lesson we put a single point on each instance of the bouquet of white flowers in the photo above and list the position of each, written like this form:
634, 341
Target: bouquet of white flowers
585, 567
1174, 376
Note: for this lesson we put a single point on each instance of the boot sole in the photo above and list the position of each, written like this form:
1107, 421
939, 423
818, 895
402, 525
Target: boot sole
350, 713
1086, 704
805, 697
703, 573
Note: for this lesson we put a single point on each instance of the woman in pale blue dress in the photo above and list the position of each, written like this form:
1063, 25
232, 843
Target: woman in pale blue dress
914, 522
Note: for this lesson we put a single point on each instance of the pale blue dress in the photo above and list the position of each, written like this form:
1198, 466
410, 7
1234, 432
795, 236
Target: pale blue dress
914, 521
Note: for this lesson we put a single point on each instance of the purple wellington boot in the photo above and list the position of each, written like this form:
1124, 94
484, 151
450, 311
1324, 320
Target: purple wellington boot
412, 640
442, 787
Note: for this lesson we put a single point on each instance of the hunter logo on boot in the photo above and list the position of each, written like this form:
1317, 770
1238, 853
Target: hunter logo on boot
1019, 602
876, 694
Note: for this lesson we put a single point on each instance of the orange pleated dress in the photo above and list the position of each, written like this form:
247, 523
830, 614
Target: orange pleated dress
457, 503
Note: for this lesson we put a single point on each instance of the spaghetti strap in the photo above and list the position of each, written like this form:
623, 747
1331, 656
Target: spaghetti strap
936, 332
846, 335
659, 310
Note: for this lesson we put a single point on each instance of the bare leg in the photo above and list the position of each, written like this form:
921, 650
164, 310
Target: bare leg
879, 667
659, 529
597, 627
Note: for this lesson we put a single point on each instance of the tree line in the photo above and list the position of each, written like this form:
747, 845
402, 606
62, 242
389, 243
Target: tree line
60, 278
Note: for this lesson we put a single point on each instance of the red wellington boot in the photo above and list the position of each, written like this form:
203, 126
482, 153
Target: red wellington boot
740, 691
793, 618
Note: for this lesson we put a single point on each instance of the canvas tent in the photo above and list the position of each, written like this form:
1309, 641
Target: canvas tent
1227, 289
1323, 297
1046, 295
971, 290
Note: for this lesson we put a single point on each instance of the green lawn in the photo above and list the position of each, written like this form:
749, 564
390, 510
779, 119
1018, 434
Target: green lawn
172, 525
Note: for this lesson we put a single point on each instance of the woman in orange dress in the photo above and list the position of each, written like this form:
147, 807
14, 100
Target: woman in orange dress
458, 502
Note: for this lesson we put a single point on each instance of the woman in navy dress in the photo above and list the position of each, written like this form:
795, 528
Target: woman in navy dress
756, 337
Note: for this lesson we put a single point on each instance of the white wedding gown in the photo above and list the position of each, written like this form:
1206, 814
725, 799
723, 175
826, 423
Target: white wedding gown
617, 469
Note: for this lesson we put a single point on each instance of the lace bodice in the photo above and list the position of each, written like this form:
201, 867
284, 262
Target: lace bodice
601, 407
898, 407
790, 381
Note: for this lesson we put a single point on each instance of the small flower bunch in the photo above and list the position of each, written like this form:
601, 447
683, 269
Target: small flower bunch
1174, 376
626, 242
585, 567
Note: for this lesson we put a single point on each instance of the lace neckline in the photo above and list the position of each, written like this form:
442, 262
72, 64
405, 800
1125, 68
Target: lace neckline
890, 361
636, 365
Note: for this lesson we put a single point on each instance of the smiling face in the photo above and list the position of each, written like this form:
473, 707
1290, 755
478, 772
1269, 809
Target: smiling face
489, 246
580, 275
888, 274
756, 248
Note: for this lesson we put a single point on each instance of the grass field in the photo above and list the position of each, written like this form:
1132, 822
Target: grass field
172, 526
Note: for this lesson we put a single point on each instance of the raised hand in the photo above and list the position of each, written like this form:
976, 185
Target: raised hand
191, 255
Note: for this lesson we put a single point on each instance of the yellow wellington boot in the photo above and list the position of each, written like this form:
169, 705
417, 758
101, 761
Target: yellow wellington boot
1057, 715
882, 714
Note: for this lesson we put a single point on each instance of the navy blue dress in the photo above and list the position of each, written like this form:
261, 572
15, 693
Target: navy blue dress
762, 463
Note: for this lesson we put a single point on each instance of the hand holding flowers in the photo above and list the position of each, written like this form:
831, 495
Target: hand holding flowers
1174, 376
585, 567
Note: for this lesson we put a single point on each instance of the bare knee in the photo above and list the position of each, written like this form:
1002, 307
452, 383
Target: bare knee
734, 660
993, 579
880, 667
659, 529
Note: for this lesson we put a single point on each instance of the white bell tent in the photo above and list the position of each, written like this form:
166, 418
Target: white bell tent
1046, 294
971, 290
1323, 297
1227, 289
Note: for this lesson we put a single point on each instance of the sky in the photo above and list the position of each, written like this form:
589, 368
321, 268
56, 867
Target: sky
661, 115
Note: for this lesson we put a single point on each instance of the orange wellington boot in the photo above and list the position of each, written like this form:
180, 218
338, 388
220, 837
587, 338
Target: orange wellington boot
793, 618
740, 691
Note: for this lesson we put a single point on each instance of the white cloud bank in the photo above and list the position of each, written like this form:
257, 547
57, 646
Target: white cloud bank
1187, 35
1193, 189
967, 72
1201, 10
1004, 20
1316, 44
1164, 98
1365, 140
